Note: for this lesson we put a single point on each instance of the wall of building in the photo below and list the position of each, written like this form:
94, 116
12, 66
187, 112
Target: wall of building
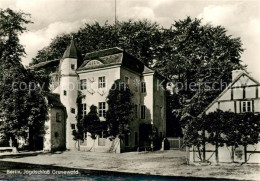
242, 90
58, 130
55, 137
159, 116
93, 94
135, 87
147, 98
69, 83
47, 136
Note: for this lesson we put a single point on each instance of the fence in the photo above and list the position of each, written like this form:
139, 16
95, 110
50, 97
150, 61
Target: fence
176, 143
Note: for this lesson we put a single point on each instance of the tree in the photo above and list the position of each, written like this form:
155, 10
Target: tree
242, 129
222, 128
22, 104
216, 123
194, 135
173, 127
136, 37
78, 134
120, 109
54, 51
188, 53
197, 59
93, 125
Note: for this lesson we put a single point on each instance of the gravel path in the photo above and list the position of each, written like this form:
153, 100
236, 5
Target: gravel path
170, 163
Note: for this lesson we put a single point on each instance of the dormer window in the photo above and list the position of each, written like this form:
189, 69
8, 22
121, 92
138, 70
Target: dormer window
72, 66
93, 63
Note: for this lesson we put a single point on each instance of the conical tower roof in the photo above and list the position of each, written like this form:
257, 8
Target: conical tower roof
71, 51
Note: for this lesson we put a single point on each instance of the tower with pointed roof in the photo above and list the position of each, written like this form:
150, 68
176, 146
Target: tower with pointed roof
69, 89
95, 76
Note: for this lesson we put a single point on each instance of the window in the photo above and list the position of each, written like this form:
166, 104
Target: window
249, 106
72, 110
246, 106
136, 138
101, 141
58, 117
73, 126
64, 93
84, 109
83, 84
102, 109
143, 87
136, 111
126, 80
101, 82
72, 66
56, 134
142, 111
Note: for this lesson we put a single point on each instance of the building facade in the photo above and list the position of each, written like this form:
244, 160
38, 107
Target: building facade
55, 137
241, 96
93, 78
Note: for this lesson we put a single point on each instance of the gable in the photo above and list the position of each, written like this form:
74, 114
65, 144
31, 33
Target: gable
93, 63
243, 87
244, 80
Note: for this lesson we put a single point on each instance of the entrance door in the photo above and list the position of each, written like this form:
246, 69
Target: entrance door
39, 143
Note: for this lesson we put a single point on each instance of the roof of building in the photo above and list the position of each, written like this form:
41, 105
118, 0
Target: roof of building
54, 100
50, 63
229, 86
105, 58
114, 56
71, 51
102, 53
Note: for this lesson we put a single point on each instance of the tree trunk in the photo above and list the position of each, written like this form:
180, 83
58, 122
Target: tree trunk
216, 152
14, 144
188, 155
78, 145
245, 153
94, 144
204, 147
199, 153
232, 154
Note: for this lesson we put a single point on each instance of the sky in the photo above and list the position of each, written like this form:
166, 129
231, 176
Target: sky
53, 17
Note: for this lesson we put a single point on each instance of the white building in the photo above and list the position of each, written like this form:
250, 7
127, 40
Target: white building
93, 78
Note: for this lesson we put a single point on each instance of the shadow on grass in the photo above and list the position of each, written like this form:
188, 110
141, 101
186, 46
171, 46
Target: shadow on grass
28, 154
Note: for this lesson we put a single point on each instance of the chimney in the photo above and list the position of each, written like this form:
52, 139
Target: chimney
235, 73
